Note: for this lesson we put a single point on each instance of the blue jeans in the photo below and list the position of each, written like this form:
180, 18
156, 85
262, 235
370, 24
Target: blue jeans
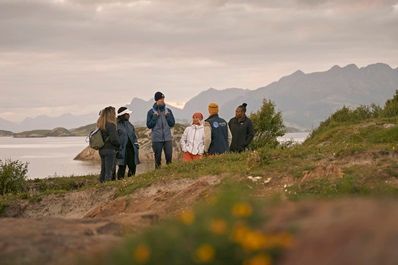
168, 151
108, 163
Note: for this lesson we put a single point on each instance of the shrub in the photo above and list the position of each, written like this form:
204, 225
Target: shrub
268, 125
391, 106
12, 176
227, 229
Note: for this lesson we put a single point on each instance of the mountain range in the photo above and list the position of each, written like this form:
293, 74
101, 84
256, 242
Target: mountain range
304, 99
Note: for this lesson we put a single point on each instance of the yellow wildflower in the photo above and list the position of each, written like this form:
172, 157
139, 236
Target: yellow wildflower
141, 253
205, 253
187, 217
218, 226
239, 232
242, 209
261, 259
253, 240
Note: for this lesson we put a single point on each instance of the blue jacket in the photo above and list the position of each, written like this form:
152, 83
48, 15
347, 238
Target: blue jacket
126, 132
219, 135
160, 119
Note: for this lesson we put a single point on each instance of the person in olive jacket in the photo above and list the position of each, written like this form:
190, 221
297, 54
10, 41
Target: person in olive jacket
107, 124
242, 130
128, 152
160, 120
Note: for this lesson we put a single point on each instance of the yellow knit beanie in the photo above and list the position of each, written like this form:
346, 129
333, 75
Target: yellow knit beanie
213, 108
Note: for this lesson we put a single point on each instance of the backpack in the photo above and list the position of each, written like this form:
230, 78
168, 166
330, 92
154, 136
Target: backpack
95, 139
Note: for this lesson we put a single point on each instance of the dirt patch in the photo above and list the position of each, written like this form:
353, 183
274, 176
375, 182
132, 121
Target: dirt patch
61, 227
159, 199
349, 231
325, 171
67, 205
52, 240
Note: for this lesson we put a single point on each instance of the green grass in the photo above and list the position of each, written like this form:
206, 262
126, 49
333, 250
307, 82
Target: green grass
347, 186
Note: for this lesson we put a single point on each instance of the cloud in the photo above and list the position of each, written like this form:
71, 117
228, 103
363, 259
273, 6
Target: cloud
52, 51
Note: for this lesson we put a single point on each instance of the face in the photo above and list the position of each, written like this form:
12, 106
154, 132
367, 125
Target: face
160, 102
126, 116
239, 113
196, 120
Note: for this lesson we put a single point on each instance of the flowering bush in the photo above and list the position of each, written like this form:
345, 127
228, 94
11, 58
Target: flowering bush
227, 229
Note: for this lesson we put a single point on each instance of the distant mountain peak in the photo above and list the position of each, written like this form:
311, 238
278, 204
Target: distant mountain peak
335, 68
351, 67
135, 100
379, 66
298, 73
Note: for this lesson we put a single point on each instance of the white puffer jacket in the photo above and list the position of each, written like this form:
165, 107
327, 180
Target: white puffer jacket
193, 140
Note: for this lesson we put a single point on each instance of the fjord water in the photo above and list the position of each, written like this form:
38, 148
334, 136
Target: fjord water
53, 156
48, 157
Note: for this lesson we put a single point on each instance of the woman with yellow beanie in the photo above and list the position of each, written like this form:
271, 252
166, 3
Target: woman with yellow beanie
221, 136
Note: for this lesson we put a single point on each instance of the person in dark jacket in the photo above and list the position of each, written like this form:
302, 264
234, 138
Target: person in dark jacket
107, 124
220, 133
128, 151
242, 130
160, 120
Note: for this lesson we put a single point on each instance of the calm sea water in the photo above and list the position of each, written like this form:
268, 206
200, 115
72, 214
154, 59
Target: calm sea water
53, 156
294, 137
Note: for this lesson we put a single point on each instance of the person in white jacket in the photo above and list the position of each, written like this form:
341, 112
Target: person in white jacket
193, 139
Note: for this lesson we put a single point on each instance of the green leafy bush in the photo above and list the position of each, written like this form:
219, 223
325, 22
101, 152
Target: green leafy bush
12, 176
268, 125
362, 113
391, 106
227, 229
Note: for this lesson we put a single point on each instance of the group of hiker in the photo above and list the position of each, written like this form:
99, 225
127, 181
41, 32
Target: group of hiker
213, 136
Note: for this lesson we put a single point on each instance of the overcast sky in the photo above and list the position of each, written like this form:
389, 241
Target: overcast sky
76, 56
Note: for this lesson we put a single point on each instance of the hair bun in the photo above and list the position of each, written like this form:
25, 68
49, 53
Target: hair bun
244, 105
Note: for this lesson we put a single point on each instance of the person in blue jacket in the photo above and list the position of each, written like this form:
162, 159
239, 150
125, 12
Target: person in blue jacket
128, 151
160, 120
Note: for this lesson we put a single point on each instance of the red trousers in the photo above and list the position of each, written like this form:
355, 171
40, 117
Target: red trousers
189, 157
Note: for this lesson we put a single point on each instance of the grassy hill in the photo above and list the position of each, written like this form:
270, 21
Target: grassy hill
84, 130
57, 132
5, 133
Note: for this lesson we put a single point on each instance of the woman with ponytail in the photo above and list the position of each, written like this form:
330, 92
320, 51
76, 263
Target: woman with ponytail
242, 130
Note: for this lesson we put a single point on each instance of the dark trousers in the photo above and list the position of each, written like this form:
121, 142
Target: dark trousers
157, 150
130, 162
108, 159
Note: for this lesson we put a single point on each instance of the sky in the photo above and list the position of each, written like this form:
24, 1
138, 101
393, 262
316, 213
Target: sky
77, 56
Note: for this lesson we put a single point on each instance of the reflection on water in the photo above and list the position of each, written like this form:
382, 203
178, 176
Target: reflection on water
53, 156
